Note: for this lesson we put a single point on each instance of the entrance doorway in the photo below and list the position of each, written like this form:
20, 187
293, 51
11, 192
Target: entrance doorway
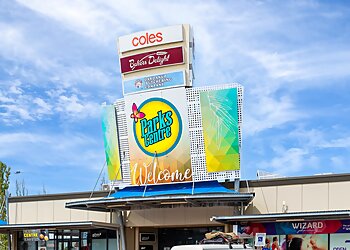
169, 237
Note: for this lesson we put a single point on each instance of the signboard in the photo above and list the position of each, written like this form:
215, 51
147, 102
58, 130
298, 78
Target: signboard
152, 59
35, 235
158, 137
149, 38
147, 237
296, 227
220, 129
31, 235
154, 82
110, 135
260, 239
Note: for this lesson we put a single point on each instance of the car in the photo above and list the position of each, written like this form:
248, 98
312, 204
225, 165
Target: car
211, 247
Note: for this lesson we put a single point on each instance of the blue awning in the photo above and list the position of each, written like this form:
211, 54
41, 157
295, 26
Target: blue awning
3, 222
166, 195
188, 188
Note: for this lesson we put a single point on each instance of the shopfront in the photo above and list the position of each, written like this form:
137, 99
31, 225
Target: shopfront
63, 236
297, 231
68, 239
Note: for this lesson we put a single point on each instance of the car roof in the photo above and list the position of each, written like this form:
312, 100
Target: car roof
208, 246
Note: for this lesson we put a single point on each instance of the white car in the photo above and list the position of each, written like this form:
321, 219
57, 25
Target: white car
211, 246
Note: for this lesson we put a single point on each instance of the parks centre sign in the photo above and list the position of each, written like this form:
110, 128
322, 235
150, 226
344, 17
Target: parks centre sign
162, 131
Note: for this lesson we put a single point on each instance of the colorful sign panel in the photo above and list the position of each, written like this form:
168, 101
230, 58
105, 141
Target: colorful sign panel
158, 137
31, 235
152, 59
110, 135
35, 235
154, 82
307, 242
150, 38
220, 129
302, 227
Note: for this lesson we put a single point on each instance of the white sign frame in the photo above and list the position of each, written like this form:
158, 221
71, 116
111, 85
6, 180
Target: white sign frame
258, 242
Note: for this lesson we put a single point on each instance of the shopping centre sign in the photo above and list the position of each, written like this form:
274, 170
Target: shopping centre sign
153, 59
149, 38
157, 129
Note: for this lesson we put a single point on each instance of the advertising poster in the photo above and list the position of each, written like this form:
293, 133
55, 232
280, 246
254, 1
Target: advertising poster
154, 82
152, 59
158, 137
339, 241
298, 227
260, 239
220, 129
110, 136
307, 242
31, 235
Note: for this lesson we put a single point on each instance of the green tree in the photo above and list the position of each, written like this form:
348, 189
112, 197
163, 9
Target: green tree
5, 172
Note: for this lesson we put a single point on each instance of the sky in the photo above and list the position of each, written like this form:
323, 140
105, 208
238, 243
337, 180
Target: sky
59, 63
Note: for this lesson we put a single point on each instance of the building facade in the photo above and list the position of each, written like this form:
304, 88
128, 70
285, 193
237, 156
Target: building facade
317, 208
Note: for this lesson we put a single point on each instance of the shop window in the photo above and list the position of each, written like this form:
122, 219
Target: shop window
112, 240
27, 245
85, 240
99, 239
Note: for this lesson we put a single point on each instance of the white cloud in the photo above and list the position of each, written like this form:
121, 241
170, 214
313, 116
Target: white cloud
84, 17
19, 104
267, 112
73, 107
337, 143
43, 150
43, 107
290, 161
277, 65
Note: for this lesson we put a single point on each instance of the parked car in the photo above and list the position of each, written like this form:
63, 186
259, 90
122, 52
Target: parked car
211, 247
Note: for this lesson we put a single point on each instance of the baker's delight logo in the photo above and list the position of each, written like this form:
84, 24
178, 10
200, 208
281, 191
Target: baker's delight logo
157, 58
157, 126
152, 59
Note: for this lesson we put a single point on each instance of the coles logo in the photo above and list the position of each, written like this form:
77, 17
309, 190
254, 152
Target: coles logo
157, 126
148, 38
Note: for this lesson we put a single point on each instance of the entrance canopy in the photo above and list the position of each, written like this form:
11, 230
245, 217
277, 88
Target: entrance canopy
284, 217
56, 226
166, 195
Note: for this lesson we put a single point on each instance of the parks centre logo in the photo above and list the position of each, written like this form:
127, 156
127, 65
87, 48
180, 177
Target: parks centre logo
157, 126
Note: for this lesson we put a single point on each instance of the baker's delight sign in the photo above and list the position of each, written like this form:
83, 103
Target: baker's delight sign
153, 59
158, 137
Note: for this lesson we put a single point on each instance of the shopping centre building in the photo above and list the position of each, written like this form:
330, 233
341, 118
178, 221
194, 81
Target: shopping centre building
173, 158
312, 207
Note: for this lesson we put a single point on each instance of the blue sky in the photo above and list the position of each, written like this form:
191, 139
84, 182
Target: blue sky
58, 63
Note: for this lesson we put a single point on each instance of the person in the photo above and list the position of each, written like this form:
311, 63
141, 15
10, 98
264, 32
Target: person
314, 244
295, 243
275, 244
267, 244
286, 242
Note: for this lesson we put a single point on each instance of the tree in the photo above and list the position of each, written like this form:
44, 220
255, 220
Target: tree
5, 172
21, 189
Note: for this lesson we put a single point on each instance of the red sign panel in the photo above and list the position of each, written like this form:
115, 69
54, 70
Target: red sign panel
153, 59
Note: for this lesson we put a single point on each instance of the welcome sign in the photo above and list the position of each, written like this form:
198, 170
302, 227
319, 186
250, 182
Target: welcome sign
158, 137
